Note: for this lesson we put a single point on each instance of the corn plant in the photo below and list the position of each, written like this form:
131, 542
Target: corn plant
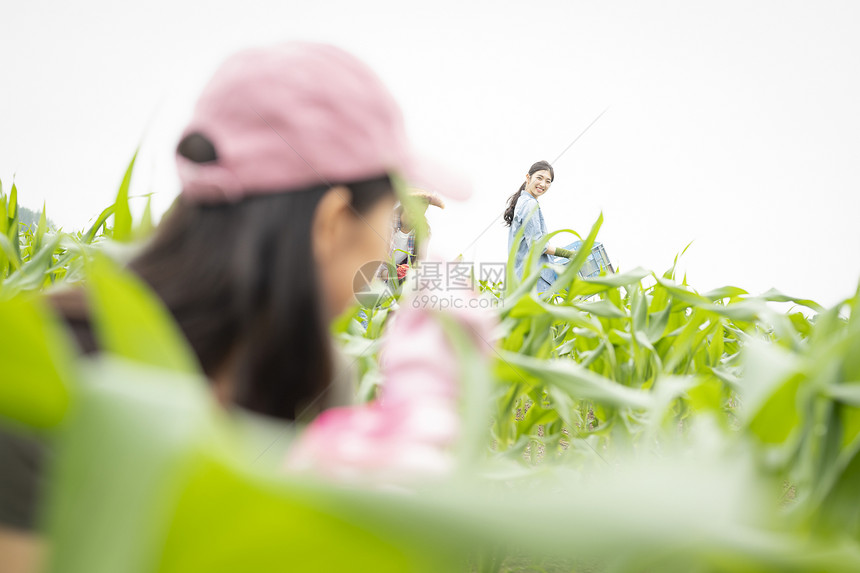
32, 259
614, 357
628, 423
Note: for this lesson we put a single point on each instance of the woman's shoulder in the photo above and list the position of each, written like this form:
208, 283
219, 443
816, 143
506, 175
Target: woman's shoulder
525, 204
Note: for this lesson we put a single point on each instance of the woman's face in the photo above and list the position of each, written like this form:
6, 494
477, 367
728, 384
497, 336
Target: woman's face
345, 241
538, 183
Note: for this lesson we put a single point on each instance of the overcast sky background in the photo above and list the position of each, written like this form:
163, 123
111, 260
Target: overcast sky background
732, 124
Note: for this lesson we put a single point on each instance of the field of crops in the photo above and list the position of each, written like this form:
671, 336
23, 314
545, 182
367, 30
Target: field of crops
627, 423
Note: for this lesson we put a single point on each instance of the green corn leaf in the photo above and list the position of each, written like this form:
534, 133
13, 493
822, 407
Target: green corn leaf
774, 295
602, 308
145, 227
574, 316
32, 274
568, 277
4, 214
725, 292
571, 378
41, 229
37, 365
657, 322
131, 321
122, 228
91, 233
13, 230
12, 209
670, 273
716, 348
596, 285
682, 294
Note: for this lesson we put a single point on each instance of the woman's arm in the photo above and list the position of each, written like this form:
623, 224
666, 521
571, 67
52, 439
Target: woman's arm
20, 551
559, 252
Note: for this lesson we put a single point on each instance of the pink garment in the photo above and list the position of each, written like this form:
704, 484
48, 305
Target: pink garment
407, 434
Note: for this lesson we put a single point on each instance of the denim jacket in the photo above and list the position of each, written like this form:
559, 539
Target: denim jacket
528, 215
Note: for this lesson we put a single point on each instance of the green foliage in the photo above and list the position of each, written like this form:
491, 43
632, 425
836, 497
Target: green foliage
34, 390
33, 258
600, 372
628, 423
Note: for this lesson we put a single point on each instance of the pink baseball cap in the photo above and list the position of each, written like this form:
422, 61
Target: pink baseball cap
300, 115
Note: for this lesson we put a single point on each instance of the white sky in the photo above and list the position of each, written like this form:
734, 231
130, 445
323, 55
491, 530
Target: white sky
734, 124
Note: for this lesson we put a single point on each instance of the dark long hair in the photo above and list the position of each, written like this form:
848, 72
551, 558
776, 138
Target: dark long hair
512, 200
240, 279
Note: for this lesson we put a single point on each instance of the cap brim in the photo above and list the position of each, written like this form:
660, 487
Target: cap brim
429, 175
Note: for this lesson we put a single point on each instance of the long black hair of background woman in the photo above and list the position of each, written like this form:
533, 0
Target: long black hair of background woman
512, 200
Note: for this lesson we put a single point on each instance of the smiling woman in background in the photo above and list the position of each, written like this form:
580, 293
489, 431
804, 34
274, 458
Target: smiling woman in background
523, 212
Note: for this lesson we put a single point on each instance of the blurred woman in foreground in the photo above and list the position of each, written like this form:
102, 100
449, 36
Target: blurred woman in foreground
286, 168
